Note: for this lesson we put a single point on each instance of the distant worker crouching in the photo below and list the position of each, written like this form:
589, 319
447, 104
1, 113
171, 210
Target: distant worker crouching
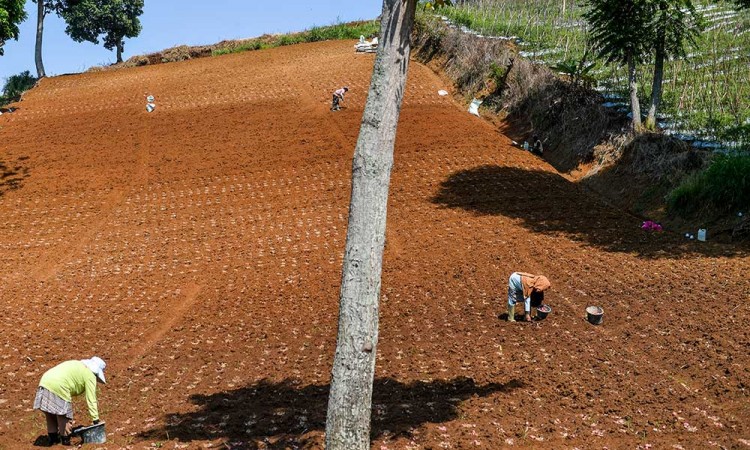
338, 96
538, 147
526, 288
57, 388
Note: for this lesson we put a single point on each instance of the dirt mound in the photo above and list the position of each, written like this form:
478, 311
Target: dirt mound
197, 249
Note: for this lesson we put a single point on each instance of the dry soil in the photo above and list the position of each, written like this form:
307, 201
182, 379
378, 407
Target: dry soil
198, 250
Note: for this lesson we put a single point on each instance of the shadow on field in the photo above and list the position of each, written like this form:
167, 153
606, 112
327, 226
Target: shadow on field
548, 203
12, 177
279, 415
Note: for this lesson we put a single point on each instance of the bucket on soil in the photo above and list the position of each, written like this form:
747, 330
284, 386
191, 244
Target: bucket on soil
702, 235
93, 434
542, 312
595, 315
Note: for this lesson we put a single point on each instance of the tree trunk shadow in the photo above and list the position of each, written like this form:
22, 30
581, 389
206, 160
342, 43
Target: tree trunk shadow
282, 414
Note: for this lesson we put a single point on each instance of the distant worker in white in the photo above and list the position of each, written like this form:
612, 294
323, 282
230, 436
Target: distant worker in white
338, 96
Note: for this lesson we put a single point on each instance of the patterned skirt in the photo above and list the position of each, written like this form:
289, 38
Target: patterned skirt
49, 402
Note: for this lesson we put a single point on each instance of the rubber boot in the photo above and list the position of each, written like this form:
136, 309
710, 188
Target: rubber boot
53, 439
511, 313
65, 440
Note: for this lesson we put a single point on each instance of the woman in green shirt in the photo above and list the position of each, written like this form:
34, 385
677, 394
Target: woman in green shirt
57, 388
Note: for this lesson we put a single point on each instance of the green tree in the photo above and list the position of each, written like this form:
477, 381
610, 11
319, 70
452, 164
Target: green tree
11, 14
621, 33
112, 20
15, 86
677, 25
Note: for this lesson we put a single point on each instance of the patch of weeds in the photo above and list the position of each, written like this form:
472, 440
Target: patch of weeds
723, 187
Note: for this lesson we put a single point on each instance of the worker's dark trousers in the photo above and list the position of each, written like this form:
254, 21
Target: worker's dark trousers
57, 424
335, 104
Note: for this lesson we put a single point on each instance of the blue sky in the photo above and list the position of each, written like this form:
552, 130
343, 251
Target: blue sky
167, 23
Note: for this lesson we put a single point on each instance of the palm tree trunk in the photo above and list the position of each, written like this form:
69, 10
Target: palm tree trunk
635, 105
656, 87
658, 66
350, 400
39, 35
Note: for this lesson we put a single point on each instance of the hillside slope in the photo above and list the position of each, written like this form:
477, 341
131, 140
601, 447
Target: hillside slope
198, 250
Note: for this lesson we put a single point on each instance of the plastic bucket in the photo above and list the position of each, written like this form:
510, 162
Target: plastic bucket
94, 434
542, 312
595, 315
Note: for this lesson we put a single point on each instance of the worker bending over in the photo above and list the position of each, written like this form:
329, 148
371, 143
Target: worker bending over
338, 96
526, 288
59, 385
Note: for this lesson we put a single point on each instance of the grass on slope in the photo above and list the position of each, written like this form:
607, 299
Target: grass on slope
326, 33
723, 187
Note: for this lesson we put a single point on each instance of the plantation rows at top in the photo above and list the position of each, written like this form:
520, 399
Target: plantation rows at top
705, 95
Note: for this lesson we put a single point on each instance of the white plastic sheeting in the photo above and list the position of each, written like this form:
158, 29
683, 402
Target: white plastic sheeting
474, 107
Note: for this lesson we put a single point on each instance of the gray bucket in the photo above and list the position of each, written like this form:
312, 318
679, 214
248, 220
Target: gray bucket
595, 315
93, 434
542, 312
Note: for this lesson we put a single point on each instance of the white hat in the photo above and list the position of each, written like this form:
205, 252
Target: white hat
97, 365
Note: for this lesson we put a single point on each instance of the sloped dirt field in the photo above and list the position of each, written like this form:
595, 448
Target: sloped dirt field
198, 250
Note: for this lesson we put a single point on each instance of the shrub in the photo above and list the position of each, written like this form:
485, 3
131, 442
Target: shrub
15, 86
289, 39
498, 74
723, 187
341, 31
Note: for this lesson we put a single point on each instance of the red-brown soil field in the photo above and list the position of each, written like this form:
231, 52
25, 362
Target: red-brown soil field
198, 250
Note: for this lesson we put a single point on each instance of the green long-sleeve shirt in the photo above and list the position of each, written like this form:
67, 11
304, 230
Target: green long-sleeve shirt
72, 378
